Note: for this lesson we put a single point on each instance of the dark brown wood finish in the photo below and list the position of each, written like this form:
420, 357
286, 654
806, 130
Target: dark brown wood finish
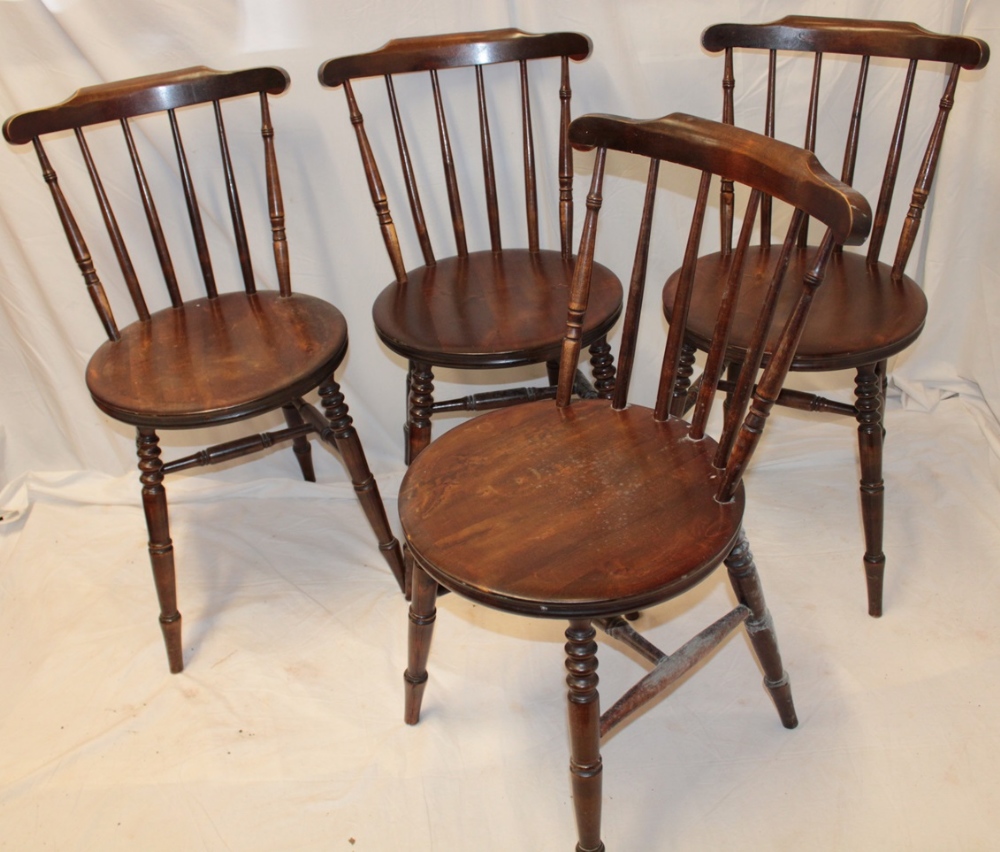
208, 360
589, 509
466, 307
869, 309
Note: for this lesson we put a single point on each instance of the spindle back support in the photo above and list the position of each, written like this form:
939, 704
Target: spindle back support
120, 102
865, 39
470, 53
766, 167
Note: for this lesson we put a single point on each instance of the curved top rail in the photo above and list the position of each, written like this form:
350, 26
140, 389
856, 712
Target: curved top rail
792, 174
896, 39
142, 95
454, 50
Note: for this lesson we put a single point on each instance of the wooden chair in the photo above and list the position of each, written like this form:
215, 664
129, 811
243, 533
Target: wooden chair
478, 309
870, 309
592, 510
204, 360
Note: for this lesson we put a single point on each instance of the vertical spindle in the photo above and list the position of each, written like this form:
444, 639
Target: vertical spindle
194, 211
114, 232
489, 174
152, 218
235, 210
448, 162
528, 144
77, 244
682, 303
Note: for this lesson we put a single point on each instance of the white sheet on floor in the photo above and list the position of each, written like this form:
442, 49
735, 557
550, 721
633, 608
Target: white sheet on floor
285, 730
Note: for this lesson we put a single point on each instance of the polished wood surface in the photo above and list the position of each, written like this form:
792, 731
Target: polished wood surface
592, 509
240, 354
869, 309
885, 316
526, 292
478, 302
856, 36
221, 355
602, 549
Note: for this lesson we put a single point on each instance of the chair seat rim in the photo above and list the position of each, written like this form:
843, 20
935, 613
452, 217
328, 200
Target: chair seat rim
660, 583
823, 363
470, 355
596, 608
280, 392
825, 354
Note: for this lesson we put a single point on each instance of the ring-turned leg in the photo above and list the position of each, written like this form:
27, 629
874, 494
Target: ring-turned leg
161, 548
868, 393
584, 733
683, 399
301, 445
422, 616
746, 583
602, 367
420, 405
882, 368
346, 440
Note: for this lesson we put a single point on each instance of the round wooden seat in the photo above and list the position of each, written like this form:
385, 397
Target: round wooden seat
859, 315
490, 309
574, 512
220, 359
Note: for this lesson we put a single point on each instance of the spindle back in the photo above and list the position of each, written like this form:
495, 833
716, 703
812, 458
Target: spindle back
129, 99
864, 39
766, 167
462, 50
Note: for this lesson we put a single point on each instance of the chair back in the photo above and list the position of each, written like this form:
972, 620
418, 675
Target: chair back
766, 167
123, 102
826, 37
434, 54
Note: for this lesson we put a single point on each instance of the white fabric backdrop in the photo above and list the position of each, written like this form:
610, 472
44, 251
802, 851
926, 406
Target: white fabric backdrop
647, 61
285, 730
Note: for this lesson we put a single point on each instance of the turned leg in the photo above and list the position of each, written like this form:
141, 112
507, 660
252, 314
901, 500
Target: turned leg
552, 368
868, 396
882, 368
733, 369
746, 584
161, 548
682, 385
301, 445
346, 440
420, 402
422, 615
602, 366
584, 733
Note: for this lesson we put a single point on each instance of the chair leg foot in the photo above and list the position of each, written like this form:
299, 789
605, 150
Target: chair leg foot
423, 614
584, 730
875, 578
349, 446
414, 698
868, 393
171, 628
161, 548
781, 695
760, 628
